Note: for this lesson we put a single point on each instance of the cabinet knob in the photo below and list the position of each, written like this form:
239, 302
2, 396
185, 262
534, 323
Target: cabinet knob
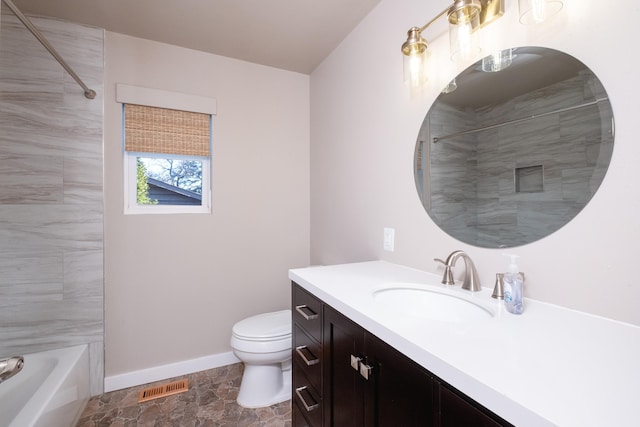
359, 365
355, 362
365, 370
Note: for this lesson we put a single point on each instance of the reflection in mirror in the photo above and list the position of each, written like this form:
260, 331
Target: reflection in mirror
509, 157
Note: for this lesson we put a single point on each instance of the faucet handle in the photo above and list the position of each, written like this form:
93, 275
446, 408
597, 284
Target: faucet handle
447, 277
498, 289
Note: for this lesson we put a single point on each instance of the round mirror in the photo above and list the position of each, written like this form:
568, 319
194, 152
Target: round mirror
514, 147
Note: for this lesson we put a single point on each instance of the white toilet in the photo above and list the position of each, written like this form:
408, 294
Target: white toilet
263, 344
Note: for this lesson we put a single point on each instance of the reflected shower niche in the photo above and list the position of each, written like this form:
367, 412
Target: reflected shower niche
529, 179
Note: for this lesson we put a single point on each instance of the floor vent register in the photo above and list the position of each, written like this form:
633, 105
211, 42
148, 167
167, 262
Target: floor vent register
163, 390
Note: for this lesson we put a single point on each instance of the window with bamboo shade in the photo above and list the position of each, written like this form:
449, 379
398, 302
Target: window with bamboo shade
167, 156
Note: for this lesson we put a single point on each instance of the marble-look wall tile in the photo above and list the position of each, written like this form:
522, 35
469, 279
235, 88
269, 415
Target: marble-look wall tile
65, 227
29, 277
96, 364
83, 274
51, 198
82, 179
31, 179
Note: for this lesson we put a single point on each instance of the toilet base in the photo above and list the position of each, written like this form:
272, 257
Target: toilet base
264, 385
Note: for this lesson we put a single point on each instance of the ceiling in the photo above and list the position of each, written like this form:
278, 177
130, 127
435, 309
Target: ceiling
294, 35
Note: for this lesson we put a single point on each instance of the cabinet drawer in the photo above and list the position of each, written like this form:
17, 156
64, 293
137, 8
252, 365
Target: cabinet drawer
301, 420
307, 312
298, 419
308, 355
307, 399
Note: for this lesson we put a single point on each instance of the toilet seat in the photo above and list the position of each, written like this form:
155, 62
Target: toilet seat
264, 327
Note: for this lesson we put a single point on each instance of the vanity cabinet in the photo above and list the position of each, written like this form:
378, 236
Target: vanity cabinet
458, 410
368, 382
306, 363
355, 379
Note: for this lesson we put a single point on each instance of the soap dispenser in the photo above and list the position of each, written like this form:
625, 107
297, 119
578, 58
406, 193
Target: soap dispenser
513, 284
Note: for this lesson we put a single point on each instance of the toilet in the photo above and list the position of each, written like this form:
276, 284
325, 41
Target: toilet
263, 343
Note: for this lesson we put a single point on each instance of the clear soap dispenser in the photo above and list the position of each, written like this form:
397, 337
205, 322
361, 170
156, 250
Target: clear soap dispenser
513, 284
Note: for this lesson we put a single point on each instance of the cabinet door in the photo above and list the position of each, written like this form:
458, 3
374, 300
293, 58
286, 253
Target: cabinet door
343, 388
402, 392
456, 411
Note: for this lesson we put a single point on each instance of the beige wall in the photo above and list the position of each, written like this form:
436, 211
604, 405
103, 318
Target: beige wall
363, 130
175, 284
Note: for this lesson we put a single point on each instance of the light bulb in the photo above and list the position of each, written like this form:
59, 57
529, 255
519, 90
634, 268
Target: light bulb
415, 73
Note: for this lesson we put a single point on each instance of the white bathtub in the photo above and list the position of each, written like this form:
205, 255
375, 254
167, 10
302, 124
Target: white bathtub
51, 390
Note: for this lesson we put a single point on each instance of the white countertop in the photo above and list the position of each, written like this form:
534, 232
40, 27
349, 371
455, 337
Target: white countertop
548, 366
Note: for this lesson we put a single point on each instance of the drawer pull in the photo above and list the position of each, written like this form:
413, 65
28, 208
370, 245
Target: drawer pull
301, 309
308, 407
313, 360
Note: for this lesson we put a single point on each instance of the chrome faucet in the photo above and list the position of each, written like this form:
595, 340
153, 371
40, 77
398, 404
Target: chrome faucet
471, 281
9, 367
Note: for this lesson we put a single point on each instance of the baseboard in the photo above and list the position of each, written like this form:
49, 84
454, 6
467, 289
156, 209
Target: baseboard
158, 373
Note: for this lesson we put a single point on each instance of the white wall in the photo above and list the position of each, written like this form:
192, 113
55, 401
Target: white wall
175, 285
363, 130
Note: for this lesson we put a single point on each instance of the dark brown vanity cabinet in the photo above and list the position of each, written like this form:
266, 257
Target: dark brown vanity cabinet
307, 360
457, 410
344, 376
368, 382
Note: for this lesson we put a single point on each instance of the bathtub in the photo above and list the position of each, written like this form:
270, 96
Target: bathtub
51, 390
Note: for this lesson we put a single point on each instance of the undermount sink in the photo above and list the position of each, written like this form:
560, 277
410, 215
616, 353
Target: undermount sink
430, 303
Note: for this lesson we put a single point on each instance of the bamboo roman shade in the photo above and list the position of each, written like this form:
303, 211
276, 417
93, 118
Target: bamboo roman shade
161, 130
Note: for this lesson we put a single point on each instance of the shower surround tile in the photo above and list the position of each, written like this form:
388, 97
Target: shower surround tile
51, 199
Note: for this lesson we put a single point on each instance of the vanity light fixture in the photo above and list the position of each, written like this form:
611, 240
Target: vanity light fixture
536, 11
465, 18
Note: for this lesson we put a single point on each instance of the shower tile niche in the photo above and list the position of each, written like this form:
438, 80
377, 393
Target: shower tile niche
529, 179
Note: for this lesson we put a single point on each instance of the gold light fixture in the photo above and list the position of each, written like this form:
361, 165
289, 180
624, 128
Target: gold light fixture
465, 18
537, 11
414, 55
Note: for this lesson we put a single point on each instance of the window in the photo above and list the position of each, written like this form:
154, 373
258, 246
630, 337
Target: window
167, 160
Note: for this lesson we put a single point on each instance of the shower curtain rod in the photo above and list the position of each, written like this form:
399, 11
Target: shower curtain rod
437, 139
89, 93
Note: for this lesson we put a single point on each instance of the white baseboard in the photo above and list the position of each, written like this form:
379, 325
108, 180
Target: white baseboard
158, 373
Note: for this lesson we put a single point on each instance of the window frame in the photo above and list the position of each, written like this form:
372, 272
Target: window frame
131, 186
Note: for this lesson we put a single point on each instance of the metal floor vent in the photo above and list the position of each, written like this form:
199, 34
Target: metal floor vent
163, 390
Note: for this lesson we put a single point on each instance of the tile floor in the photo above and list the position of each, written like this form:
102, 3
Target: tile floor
209, 402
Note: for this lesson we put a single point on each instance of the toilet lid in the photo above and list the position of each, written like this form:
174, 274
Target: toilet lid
267, 325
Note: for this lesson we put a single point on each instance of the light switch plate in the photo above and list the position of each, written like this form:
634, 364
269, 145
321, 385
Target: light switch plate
389, 239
